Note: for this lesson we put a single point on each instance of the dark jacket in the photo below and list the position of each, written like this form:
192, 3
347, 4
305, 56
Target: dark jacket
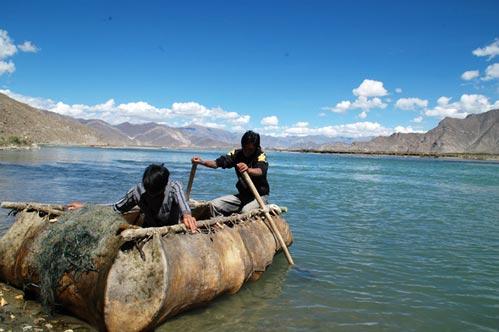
162, 210
258, 160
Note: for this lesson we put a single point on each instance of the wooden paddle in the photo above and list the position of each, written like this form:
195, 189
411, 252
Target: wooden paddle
191, 180
269, 217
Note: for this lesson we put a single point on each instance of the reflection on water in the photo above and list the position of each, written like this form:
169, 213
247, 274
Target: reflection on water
380, 243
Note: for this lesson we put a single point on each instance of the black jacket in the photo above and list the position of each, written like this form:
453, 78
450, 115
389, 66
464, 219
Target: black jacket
258, 160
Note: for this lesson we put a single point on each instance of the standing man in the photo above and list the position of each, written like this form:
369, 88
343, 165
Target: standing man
250, 158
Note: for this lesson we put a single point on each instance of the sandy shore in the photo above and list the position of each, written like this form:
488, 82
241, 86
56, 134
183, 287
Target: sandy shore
18, 314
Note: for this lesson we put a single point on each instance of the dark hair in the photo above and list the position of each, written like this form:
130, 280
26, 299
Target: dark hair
155, 178
250, 137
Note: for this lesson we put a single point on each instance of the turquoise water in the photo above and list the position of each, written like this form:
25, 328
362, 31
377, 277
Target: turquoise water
380, 243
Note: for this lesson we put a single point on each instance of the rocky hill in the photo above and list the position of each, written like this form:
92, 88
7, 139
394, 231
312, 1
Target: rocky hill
29, 124
477, 133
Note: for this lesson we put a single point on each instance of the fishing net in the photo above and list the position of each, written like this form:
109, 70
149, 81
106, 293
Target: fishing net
75, 244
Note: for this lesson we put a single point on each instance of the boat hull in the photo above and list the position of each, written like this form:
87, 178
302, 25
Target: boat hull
140, 283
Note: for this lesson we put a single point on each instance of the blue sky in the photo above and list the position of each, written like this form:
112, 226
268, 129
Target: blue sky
281, 67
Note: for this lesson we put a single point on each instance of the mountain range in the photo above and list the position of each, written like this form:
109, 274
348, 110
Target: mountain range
477, 133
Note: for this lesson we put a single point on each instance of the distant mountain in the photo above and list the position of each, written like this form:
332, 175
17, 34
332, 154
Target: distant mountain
477, 133
108, 133
302, 142
210, 137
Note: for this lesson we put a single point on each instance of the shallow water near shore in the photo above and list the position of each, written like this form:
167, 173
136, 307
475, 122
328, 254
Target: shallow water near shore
381, 243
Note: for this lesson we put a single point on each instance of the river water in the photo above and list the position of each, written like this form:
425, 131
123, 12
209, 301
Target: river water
381, 243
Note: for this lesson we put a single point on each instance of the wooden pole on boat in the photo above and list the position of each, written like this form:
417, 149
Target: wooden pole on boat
269, 217
52, 209
191, 180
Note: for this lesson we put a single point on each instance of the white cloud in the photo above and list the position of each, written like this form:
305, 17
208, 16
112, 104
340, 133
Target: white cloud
475, 103
490, 50
467, 104
492, 72
341, 107
140, 112
7, 67
418, 119
28, 47
353, 130
398, 90
270, 121
213, 125
470, 74
370, 88
410, 104
301, 124
366, 104
406, 130
368, 94
9, 49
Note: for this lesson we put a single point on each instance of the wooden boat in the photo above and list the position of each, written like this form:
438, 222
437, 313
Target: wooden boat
140, 277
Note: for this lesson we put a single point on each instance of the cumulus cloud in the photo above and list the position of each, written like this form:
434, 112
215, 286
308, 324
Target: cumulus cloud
470, 74
341, 107
492, 72
490, 50
370, 88
8, 49
270, 121
139, 112
466, 105
411, 104
398, 90
352, 130
368, 93
28, 47
406, 130
366, 104
7, 67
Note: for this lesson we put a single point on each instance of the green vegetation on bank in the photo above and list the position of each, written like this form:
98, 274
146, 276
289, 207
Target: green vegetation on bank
15, 141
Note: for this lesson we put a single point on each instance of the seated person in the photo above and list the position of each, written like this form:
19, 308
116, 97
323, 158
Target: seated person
250, 158
161, 201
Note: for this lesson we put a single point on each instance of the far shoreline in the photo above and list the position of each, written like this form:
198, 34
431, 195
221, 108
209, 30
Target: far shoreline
450, 155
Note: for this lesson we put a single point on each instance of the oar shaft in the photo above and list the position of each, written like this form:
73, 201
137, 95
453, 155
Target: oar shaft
191, 180
269, 218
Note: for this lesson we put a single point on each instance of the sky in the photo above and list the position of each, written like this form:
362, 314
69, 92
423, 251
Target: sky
341, 69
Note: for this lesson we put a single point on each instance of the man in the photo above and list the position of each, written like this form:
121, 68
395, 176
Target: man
249, 159
161, 201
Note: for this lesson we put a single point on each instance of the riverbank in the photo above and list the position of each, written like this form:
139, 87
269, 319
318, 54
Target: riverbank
20, 314
454, 155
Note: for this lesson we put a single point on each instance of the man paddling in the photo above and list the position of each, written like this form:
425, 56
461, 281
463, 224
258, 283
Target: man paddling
161, 201
250, 158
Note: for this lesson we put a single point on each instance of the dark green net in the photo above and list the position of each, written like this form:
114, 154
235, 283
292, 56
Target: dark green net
73, 245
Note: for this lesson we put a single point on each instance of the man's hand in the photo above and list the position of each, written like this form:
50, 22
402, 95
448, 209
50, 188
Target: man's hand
190, 222
196, 160
242, 167
74, 206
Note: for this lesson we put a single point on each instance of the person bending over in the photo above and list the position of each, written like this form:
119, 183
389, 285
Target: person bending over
161, 201
250, 158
